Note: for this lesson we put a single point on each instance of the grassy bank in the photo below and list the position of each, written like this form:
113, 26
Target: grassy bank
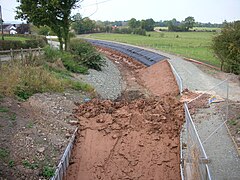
39, 74
196, 45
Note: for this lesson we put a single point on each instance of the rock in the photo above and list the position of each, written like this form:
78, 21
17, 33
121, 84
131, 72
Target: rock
115, 136
100, 121
68, 135
41, 149
73, 122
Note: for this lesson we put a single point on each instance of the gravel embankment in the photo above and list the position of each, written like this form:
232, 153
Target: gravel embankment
108, 82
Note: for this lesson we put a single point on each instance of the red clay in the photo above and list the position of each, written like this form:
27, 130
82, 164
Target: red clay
159, 79
128, 140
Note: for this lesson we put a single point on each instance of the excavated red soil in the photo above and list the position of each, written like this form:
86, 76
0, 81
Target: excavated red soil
127, 140
136, 137
159, 79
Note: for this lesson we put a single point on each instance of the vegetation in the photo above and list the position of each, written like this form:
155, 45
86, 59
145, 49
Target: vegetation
37, 75
22, 41
48, 171
196, 45
86, 55
185, 25
4, 153
30, 165
86, 25
52, 13
147, 24
227, 47
83, 25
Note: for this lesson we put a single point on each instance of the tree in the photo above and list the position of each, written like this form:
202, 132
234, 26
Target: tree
149, 25
82, 25
189, 22
52, 13
227, 47
133, 23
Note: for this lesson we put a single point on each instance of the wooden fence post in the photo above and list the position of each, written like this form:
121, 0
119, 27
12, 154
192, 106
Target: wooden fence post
11, 53
21, 53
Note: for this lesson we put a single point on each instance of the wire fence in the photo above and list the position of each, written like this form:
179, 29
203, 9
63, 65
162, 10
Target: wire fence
64, 162
195, 160
177, 78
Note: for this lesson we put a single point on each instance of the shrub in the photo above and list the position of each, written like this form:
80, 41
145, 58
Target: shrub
72, 65
32, 41
86, 54
140, 31
7, 44
51, 54
67, 59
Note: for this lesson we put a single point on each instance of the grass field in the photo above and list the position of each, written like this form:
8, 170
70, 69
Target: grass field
14, 38
195, 28
195, 45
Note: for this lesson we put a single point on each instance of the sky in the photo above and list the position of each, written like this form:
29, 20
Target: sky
214, 11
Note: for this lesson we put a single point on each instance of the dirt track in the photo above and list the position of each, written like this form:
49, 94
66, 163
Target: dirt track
136, 139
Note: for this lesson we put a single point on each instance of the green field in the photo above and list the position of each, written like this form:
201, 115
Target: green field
194, 28
195, 45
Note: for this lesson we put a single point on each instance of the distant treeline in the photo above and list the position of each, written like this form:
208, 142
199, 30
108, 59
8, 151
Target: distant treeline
82, 25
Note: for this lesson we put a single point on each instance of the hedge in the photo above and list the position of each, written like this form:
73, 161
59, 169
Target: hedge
33, 42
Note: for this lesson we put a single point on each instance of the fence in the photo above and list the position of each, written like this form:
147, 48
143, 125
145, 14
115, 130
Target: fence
177, 78
18, 53
64, 162
195, 161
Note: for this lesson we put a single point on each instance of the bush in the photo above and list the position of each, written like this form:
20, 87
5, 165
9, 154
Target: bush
140, 31
33, 42
67, 59
72, 65
51, 54
226, 46
7, 44
86, 54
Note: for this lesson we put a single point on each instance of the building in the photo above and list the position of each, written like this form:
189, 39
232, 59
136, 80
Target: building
16, 28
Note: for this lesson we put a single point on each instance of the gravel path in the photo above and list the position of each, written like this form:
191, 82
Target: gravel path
225, 163
108, 82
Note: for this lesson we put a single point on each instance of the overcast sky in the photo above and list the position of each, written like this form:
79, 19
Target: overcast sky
214, 11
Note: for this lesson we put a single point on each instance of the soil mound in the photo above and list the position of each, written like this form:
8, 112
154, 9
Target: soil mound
159, 79
136, 139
